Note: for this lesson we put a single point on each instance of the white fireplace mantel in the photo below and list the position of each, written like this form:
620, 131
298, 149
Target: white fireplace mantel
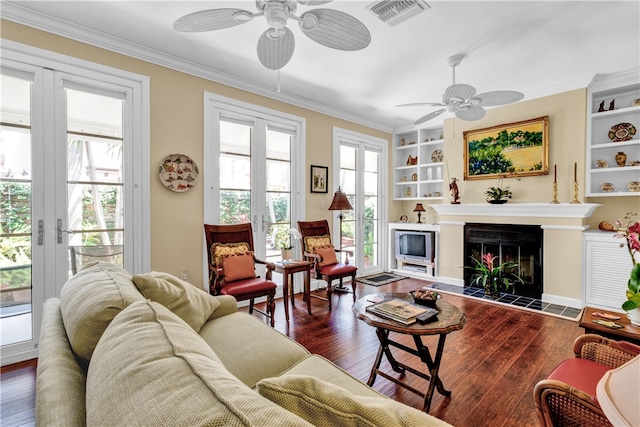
532, 210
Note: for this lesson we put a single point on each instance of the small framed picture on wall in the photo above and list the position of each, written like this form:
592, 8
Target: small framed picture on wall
319, 177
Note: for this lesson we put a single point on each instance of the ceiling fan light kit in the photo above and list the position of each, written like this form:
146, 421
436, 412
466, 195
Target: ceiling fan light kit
461, 99
328, 27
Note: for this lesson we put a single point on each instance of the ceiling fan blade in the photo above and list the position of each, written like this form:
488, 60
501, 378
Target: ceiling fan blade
275, 52
499, 97
211, 20
471, 113
429, 116
459, 91
335, 29
314, 2
422, 104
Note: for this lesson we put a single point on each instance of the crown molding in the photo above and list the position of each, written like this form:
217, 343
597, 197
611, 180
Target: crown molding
28, 17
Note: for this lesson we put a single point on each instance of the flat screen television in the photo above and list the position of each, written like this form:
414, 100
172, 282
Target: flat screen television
415, 245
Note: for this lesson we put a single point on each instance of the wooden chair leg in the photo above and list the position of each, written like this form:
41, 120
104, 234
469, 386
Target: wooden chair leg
329, 289
251, 306
353, 286
271, 306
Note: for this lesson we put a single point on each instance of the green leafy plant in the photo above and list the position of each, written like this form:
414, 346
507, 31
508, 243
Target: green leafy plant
630, 232
500, 193
491, 277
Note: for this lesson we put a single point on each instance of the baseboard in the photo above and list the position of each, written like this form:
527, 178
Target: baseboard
558, 300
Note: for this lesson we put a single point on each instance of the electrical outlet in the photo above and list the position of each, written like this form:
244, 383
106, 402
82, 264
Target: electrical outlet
185, 275
322, 204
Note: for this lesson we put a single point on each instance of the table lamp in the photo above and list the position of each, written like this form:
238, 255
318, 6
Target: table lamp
419, 208
341, 203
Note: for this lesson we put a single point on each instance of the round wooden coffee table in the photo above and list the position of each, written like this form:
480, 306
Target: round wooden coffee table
450, 318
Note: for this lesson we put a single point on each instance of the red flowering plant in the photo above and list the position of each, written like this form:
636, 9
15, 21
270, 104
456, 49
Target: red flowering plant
629, 229
491, 277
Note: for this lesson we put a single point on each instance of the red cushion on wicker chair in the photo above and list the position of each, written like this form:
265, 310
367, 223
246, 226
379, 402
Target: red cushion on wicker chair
579, 373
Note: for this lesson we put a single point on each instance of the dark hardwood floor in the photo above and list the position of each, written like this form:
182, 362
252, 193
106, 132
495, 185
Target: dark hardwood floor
490, 366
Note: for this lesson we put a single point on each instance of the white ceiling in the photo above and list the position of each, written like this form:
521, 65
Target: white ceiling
535, 47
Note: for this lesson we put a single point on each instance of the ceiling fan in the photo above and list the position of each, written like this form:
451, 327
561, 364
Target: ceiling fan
331, 28
462, 100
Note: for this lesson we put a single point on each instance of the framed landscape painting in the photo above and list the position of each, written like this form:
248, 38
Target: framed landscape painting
512, 149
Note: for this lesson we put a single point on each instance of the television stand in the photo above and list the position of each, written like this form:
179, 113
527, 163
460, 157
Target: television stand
424, 267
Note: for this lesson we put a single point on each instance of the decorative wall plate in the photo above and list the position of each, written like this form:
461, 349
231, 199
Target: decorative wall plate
607, 187
178, 172
602, 163
437, 156
633, 186
622, 132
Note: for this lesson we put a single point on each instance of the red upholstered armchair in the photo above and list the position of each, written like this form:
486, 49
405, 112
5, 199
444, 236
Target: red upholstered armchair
232, 266
567, 397
317, 248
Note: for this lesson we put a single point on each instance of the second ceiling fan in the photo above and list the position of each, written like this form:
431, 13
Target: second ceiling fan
461, 99
329, 27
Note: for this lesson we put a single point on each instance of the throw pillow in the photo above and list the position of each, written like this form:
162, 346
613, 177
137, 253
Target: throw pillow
191, 304
313, 242
326, 404
238, 267
218, 250
90, 300
328, 254
151, 369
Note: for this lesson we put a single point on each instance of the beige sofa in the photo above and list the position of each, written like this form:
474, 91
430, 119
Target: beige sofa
117, 350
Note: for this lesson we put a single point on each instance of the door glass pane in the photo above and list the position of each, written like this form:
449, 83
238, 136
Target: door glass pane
94, 179
278, 194
348, 161
371, 208
15, 211
235, 173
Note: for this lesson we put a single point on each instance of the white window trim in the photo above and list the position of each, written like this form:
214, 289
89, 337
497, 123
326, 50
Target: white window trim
340, 134
214, 105
137, 168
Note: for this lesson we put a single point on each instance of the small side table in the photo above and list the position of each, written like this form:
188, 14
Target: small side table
628, 332
288, 270
450, 318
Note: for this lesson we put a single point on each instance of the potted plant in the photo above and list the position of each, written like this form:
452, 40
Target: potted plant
494, 278
286, 247
630, 231
498, 195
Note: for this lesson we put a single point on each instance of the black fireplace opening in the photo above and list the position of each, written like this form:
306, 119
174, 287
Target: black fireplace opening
521, 244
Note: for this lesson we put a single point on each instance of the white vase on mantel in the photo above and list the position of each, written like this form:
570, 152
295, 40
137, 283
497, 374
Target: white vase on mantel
634, 316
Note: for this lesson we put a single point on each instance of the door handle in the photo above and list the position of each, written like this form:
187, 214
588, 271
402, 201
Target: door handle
263, 224
60, 230
40, 237
255, 222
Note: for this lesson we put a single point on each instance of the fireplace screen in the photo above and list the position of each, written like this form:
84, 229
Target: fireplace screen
521, 244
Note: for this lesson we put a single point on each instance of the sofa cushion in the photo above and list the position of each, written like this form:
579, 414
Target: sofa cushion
328, 254
325, 404
238, 266
193, 305
151, 368
249, 348
90, 300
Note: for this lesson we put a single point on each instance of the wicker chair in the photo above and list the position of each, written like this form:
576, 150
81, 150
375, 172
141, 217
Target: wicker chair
560, 402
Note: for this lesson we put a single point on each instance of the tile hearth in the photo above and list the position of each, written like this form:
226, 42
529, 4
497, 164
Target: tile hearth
515, 300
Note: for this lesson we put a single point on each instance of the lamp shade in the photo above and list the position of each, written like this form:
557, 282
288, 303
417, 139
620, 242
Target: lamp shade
418, 208
340, 202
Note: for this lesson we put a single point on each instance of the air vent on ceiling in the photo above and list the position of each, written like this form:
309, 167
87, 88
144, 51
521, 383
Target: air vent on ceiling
393, 12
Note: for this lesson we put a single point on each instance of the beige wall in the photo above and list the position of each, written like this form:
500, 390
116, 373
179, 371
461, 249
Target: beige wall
177, 126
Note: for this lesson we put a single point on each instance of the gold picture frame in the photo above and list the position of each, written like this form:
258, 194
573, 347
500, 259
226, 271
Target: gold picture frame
519, 148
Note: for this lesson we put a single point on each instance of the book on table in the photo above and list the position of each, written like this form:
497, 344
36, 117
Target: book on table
401, 311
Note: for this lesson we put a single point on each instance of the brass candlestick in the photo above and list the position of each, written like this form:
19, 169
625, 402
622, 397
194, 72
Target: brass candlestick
575, 200
555, 194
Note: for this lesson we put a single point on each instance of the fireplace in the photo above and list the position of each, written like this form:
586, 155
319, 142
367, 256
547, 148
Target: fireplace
521, 244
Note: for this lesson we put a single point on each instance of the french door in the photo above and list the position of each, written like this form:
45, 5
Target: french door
66, 197
253, 171
360, 169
